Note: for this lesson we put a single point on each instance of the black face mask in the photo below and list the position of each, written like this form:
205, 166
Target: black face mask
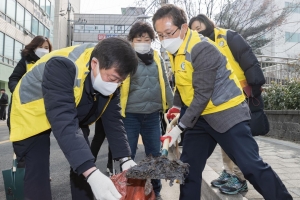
147, 58
206, 32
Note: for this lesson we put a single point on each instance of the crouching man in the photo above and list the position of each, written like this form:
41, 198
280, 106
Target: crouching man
65, 92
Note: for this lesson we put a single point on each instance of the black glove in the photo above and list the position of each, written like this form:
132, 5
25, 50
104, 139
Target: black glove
256, 90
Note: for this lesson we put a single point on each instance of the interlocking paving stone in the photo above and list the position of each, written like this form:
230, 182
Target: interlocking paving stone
282, 156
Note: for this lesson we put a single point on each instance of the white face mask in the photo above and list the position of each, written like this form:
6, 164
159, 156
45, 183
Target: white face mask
172, 44
142, 48
105, 88
41, 51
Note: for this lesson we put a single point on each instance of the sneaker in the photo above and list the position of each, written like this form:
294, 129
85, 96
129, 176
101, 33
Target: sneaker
223, 178
109, 170
234, 186
158, 197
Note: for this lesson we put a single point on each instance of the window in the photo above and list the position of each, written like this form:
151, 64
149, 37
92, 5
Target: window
1, 43
43, 4
119, 28
78, 28
292, 37
127, 29
41, 28
99, 27
34, 26
109, 29
89, 27
11, 9
292, 7
2, 6
9, 47
18, 48
47, 32
48, 8
27, 20
20, 14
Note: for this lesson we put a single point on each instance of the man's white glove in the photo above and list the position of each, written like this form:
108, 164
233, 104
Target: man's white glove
102, 187
127, 164
174, 134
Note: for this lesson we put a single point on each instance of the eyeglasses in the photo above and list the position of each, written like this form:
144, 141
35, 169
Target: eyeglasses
161, 37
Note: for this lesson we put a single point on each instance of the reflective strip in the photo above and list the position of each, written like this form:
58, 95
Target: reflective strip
188, 57
31, 84
77, 51
74, 55
187, 44
77, 82
203, 38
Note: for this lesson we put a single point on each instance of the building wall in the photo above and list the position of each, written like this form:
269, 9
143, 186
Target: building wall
60, 29
20, 21
95, 27
286, 38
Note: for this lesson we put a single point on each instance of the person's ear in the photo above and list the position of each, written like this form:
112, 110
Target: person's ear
185, 27
94, 63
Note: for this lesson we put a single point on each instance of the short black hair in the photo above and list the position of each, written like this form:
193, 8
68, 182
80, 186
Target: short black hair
172, 11
118, 53
139, 28
204, 19
2, 90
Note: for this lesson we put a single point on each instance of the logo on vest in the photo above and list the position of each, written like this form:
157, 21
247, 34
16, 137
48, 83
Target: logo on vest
182, 66
221, 44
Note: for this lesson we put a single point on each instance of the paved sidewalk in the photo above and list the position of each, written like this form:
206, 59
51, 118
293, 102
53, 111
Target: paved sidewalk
3, 123
284, 158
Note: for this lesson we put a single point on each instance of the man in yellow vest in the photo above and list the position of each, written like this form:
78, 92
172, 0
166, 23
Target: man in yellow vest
248, 71
213, 108
64, 92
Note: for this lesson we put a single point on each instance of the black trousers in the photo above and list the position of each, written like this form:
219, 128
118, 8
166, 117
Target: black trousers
36, 151
3, 112
238, 143
98, 141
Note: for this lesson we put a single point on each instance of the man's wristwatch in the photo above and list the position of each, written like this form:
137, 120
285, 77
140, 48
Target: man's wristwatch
123, 160
180, 127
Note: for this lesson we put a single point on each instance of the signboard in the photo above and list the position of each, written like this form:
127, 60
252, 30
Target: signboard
101, 36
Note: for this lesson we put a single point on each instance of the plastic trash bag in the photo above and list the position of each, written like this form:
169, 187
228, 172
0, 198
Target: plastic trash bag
133, 189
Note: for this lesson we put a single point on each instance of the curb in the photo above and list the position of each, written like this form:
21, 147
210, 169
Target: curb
208, 192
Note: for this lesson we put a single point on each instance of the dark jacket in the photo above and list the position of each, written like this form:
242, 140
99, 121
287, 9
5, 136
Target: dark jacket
4, 99
67, 120
20, 70
247, 60
244, 55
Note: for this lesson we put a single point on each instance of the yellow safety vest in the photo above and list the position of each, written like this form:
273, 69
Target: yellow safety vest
126, 85
183, 71
28, 115
29, 66
221, 42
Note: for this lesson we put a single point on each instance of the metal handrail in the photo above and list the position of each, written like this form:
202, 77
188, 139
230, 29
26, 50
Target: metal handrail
10, 63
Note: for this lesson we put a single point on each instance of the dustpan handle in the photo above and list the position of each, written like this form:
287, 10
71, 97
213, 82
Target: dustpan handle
165, 148
14, 167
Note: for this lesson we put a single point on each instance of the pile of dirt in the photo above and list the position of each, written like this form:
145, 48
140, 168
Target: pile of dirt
159, 168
